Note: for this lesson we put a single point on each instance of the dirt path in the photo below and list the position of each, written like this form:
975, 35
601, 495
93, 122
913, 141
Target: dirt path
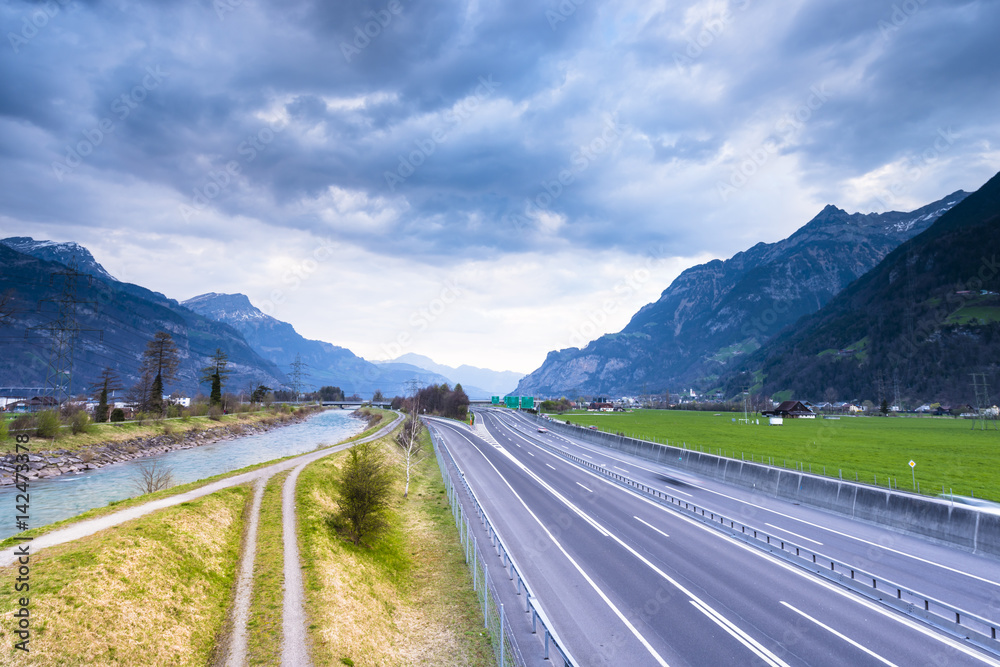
91, 526
295, 643
236, 652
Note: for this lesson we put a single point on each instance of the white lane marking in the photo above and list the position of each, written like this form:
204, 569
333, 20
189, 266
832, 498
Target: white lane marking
859, 539
551, 466
530, 454
622, 469
583, 487
904, 620
760, 650
741, 636
801, 537
815, 525
572, 561
673, 490
808, 576
648, 525
842, 636
586, 457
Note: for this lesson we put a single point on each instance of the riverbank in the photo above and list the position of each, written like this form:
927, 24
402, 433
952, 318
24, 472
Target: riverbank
137, 441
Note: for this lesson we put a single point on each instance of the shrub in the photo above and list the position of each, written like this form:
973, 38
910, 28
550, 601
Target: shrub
23, 423
48, 424
215, 413
117, 415
173, 410
363, 497
3, 430
80, 423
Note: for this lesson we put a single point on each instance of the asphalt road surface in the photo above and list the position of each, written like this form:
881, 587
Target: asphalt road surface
628, 582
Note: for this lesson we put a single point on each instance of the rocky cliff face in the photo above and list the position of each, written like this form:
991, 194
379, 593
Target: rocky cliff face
714, 313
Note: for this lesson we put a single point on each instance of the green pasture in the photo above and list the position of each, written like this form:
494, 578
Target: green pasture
949, 454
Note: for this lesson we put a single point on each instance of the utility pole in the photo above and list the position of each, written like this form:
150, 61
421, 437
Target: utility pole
982, 392
63, 332
297, 374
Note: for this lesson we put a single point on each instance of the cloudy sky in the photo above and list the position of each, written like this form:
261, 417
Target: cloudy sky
480, 181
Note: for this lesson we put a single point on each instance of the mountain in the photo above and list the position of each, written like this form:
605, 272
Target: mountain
115, 320
714, 313
481, 380
62, 253
326, 364
924, 319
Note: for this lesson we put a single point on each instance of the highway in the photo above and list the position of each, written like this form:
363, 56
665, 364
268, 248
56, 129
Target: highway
626, 581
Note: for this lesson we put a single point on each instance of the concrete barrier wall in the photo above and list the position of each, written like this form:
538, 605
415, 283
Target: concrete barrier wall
928, 517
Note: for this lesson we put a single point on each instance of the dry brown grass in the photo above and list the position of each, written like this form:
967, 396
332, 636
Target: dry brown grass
152, 591
407, 600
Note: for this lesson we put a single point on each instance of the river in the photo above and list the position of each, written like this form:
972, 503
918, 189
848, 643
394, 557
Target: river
62, 497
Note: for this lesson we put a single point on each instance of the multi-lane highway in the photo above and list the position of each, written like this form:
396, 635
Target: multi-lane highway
626, 581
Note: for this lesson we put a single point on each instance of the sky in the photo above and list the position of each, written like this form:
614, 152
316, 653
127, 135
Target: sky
477, 181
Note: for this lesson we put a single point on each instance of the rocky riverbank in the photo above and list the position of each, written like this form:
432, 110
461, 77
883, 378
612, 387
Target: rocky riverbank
57, 462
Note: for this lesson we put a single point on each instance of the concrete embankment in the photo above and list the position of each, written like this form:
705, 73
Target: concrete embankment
933, 518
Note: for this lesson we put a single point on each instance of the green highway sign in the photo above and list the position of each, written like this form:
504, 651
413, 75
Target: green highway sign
496, 400
527, 402
512, 402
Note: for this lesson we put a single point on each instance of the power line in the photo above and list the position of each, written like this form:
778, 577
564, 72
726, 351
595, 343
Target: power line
984, 412
63, 332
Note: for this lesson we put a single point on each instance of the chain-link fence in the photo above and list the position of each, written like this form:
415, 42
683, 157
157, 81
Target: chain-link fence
496, 621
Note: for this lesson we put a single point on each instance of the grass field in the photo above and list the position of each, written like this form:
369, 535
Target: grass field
264, 633
152, 591
408, 599
947, 452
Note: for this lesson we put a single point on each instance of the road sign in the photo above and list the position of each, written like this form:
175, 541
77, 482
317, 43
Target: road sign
527, 402
512, 402
913, 464
913, 473
496, 400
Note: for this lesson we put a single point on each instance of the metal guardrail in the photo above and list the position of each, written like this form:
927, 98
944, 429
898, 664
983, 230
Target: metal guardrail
506, 650
977, 630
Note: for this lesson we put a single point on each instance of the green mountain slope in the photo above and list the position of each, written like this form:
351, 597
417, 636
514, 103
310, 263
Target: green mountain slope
923, 319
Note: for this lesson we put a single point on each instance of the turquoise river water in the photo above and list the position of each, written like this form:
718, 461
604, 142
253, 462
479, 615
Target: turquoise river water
58, 498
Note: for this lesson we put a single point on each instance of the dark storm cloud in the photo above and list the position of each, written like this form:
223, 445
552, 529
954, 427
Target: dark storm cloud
315, 115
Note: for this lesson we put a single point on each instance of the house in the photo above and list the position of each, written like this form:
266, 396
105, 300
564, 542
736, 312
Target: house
33, 404
791, 409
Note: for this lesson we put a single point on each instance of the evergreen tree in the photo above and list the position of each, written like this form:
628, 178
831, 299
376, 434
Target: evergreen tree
161, 360
107, 382
216, 373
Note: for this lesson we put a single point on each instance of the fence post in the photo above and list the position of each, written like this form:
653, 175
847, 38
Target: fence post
501, 636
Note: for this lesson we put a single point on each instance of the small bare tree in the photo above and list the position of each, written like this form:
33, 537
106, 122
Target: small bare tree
409, 440
152, 476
